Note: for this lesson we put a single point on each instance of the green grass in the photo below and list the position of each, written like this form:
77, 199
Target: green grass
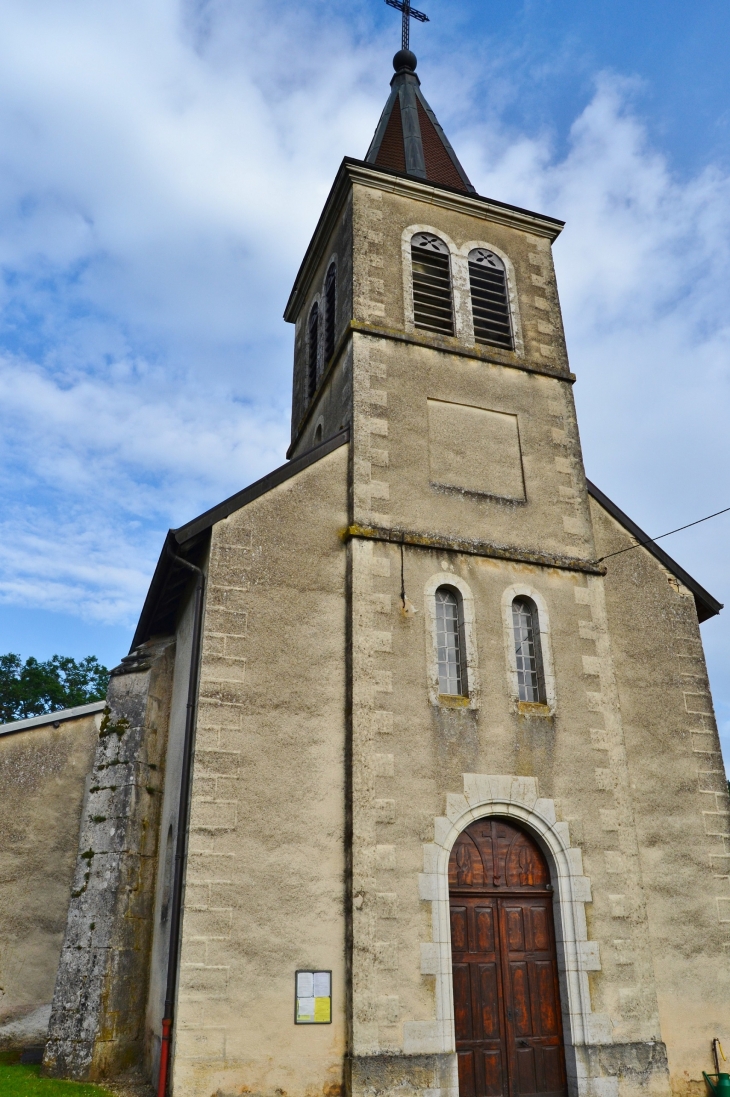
25, 1081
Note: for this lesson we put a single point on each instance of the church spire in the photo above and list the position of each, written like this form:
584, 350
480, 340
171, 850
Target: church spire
409, 137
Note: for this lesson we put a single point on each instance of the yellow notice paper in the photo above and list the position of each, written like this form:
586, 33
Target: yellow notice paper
322, 1010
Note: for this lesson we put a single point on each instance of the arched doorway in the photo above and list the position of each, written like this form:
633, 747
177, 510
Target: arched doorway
509, 1035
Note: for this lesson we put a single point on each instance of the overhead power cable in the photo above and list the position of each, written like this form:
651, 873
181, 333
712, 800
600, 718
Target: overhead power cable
650, 540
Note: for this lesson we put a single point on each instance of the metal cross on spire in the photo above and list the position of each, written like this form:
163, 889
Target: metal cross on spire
409, 13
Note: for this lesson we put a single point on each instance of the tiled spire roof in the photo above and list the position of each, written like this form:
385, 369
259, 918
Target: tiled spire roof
409, 137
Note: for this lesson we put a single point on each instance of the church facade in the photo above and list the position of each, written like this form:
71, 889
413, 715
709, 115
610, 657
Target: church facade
409, 785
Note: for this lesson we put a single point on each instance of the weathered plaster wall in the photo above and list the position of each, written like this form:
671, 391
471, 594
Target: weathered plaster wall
265, 881
43, 773
409, 761
681, 806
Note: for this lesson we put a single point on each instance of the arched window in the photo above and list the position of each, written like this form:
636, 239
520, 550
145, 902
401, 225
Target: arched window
489, 300
450, 642
330, 304
313, 353
528, 652
432, 304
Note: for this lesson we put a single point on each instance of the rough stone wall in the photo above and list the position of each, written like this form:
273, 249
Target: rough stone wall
264, 890
97, 1020
681, 805
43, 772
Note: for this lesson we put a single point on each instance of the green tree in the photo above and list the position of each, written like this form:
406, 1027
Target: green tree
32, 688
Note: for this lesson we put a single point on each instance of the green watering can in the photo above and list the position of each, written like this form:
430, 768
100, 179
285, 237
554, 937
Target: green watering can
718, 1083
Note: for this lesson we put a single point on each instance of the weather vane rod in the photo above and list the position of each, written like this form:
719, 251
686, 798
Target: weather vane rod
409, 13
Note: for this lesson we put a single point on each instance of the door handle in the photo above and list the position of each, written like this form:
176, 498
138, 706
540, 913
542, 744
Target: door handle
522, 1043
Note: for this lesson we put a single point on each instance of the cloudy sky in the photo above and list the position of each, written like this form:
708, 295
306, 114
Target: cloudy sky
163, 164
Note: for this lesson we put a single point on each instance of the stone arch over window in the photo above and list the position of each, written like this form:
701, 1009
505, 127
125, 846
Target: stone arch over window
463, 260
520, 593
518, 799
434, 619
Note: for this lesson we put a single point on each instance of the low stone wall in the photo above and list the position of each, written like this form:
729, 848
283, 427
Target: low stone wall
44, 763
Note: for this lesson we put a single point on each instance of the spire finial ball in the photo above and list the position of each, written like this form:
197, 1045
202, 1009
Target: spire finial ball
405, 59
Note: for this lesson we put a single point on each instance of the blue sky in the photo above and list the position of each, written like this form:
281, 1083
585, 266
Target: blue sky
163, 165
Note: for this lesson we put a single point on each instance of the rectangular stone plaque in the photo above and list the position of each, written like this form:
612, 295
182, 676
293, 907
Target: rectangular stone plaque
475, 449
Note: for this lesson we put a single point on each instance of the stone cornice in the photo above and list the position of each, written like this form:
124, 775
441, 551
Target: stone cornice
470, 547
447, 345
436, 194
430, 342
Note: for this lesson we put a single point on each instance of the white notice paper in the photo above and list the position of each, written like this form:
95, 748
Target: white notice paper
305, 1009
321, 984
305, 984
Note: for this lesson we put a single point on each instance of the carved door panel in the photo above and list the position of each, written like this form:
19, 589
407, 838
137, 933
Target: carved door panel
509, 1039
480, 1037
534, 1029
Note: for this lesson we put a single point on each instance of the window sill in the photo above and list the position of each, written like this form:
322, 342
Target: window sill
533, 708
453, 700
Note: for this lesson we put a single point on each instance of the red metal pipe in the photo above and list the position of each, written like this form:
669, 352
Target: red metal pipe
164, 1057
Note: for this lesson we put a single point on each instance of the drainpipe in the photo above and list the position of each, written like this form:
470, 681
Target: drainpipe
182, 826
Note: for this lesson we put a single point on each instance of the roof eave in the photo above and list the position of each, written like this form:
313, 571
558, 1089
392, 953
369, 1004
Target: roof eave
191, 537
707, 606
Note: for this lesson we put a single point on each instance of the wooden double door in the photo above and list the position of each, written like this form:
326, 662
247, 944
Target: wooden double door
509, 1038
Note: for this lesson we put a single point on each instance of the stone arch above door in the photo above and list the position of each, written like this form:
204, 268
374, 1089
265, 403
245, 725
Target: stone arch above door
517, 798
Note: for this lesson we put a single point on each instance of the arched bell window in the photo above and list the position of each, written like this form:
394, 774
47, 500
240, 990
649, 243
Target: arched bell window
313, 350
330, 305
490, 299
451, 643
433, 308
528, 651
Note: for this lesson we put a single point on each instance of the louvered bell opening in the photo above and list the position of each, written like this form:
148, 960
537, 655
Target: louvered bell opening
329, 320
313, 352
432, 308
490, 306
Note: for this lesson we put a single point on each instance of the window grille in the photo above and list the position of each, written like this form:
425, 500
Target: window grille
432, 303
450, 643
330, 302
313, 361
489, 299
528, 652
